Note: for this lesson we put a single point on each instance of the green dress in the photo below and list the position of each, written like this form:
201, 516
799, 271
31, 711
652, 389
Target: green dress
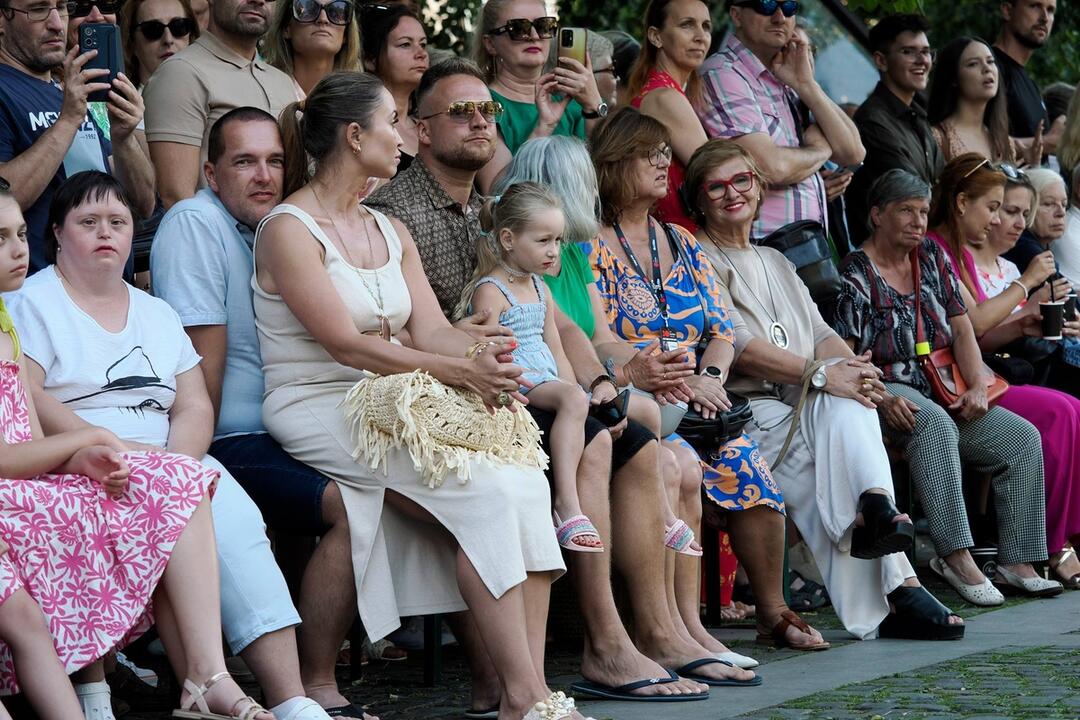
570, 287
519, 119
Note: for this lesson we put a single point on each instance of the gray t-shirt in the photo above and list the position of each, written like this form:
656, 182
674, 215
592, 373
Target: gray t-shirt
201, 263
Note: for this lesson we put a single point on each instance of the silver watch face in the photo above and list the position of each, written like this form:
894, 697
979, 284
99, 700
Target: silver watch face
602, 109
819, 379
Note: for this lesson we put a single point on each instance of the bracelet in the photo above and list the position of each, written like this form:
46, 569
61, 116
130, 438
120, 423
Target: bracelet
602, 379
476, 349
1027, 293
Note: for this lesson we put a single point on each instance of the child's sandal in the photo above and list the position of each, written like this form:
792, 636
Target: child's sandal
243, 709
578, 526
680, 538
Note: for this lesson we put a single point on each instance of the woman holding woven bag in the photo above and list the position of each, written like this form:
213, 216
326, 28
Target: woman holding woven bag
876, 312
340, 293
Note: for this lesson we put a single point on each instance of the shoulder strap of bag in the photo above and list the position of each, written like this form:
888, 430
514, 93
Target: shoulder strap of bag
796, 413
916, 277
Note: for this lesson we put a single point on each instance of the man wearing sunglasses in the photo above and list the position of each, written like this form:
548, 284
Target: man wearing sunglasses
46, 131
751, 89
892, 122
219, 71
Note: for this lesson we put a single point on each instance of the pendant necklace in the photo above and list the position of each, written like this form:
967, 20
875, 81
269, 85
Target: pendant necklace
376, 295
778, 334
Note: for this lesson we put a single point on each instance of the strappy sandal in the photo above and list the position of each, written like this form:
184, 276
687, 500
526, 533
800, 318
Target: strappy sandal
680, 538
197, 694
918, 616
879, 535
566, 531
777, 637
1070, 583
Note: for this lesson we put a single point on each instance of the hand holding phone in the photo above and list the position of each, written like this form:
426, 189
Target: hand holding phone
105, 39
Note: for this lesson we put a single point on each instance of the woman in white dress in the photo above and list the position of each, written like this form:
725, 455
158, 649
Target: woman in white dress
340, 290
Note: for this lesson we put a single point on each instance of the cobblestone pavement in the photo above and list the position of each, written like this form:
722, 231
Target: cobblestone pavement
1011, 682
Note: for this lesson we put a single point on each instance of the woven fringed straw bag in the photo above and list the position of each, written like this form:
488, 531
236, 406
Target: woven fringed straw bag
442, 427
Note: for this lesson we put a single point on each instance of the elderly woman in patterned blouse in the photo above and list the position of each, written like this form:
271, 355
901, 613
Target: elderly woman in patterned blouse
877, 313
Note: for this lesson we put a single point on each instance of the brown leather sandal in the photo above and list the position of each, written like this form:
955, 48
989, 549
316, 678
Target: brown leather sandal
777, 638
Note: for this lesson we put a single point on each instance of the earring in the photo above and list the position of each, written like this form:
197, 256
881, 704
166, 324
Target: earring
356, 150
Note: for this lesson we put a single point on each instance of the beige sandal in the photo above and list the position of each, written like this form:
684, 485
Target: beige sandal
198, 692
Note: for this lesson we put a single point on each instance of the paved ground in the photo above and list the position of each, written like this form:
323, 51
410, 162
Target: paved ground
1022, 661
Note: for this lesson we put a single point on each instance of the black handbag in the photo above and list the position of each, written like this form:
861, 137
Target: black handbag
805, 245
708, 436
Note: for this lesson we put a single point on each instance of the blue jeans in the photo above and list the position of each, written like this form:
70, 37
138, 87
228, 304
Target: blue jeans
288, 493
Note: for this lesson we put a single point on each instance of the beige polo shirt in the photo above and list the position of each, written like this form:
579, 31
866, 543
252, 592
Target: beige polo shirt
192, 89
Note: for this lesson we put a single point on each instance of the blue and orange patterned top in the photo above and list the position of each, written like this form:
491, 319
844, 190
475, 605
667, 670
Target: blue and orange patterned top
632, 310
739, 478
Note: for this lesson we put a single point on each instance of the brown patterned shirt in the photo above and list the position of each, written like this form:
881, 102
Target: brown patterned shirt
444, 234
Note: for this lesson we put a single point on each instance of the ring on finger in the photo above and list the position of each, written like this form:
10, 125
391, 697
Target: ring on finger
503, 398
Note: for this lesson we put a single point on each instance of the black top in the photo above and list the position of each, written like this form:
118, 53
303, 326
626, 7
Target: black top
1025, 250
895, 135
1026, 107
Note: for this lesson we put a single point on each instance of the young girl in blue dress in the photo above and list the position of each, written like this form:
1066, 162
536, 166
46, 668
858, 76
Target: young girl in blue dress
523, 237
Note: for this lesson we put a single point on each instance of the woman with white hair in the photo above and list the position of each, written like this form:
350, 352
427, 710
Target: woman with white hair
1048, 217
1067, 247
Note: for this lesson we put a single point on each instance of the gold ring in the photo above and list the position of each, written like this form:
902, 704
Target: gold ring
503, 398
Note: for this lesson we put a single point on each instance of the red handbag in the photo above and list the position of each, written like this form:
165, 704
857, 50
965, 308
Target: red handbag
939, 366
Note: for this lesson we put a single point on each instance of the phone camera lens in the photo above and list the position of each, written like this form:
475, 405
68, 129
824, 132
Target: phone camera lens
567, 38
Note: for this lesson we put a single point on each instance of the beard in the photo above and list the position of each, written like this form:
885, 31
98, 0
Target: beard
232, 22
466, 157
1029, 40
31, 55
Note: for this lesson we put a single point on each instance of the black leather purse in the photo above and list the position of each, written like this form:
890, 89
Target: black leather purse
708, 436
805, 245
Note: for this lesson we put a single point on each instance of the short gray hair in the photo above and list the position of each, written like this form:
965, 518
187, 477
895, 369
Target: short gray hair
561, 163
892, 186
897, 184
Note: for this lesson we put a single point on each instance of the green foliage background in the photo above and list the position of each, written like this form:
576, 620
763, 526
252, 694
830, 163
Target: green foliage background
451, 21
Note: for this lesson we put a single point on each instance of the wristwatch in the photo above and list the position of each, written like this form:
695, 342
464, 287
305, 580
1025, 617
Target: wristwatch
600, 111
713, 372
819, 379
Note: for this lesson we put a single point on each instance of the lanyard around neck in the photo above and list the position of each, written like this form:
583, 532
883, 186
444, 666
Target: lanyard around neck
657, 286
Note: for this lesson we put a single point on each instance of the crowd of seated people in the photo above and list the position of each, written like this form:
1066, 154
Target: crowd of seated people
471, 324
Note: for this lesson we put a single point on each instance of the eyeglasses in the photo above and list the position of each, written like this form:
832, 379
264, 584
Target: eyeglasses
740, 183
657, 156
522, 28
155, 29
463, 110
39, 14
105, 7
338, 12
609, 70
911, 53
769, 7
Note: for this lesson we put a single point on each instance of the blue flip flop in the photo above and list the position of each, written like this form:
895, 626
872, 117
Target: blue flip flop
687, 671
626, 692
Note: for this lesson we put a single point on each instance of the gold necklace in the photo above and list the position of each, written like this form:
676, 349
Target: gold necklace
376, 295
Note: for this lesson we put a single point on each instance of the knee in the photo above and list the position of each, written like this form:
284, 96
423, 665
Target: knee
333, 506
670, 472
645, 411
690, 474
932, 424
574, 402
21, 619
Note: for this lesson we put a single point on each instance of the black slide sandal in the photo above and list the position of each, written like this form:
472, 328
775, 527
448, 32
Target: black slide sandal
687, 671
879, 535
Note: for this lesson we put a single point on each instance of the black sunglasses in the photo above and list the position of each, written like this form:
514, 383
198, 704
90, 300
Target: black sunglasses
521, 28
85, 7
768, 8
338, 12
155, 29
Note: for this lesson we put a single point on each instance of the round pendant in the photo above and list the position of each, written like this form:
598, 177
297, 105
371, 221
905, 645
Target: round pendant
778, 335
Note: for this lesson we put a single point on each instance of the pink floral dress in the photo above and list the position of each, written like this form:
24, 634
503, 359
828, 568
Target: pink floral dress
90, 562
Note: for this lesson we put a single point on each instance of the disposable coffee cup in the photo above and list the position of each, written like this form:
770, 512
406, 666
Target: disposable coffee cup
1053, 317
1070, 307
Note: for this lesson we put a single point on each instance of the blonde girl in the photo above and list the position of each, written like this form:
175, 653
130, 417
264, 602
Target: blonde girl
522, 238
